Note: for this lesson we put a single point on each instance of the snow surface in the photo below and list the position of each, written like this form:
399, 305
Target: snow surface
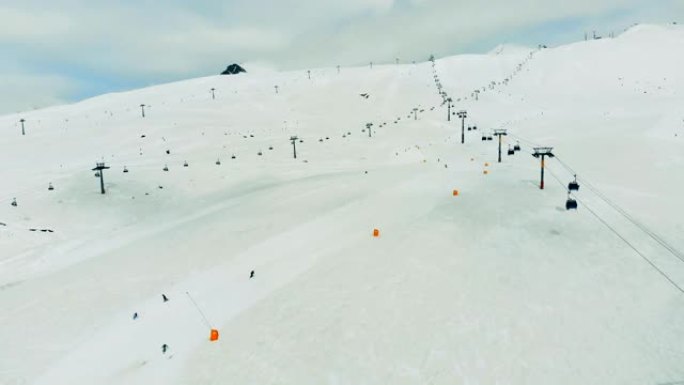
498, 285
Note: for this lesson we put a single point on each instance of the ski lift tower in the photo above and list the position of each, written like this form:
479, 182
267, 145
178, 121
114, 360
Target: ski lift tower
449, 100
500, 132
293, 139
368, 127
100, 167
542, 152
463, 114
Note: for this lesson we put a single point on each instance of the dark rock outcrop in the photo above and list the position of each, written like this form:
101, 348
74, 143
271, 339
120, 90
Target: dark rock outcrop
233, 69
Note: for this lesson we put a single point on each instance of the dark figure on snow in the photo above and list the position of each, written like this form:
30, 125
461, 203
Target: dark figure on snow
165, 347
135, 315
251, 275
165, 298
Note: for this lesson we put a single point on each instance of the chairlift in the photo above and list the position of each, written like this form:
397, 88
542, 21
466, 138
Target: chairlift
470, 128
185, 164
125, 169
490, 138
233, 157
511, 151
50, 187
97, 174
484, 137
574, 186
166, 168
259, 153
516, 147
14, 202
570, 204
218, 162
474, 128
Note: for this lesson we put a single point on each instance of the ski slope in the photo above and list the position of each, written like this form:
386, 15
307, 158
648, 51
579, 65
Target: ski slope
497, 285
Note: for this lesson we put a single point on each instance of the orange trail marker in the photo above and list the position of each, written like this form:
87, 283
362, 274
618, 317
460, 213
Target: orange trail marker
376, 233
214, 336
455, 193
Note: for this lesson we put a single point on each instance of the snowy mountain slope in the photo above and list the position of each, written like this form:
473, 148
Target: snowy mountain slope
497, 285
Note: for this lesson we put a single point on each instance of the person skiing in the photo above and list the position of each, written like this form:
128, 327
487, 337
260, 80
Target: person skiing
251, 275
165, 347
135, 315
165, 298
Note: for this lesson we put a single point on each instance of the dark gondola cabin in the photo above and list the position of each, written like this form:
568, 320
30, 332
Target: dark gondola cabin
571, 204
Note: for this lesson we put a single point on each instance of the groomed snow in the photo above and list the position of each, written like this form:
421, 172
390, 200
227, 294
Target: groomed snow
498, 285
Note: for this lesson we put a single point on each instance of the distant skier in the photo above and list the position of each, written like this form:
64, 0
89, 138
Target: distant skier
251, 275
135, 316
165, 298
165, 347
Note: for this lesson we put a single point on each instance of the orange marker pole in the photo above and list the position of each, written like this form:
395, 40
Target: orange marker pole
214, 336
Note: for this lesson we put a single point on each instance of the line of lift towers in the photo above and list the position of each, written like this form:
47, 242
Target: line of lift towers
539, 152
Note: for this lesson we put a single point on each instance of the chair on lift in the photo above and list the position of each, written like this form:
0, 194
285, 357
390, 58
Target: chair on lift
570, 204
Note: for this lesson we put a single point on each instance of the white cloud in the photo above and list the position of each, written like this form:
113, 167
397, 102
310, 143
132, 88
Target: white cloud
22, 92
22, 24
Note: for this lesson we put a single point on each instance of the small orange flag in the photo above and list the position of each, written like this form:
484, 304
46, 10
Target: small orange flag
214, 336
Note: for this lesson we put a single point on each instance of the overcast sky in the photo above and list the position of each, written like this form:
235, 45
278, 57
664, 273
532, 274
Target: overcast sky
59, 51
